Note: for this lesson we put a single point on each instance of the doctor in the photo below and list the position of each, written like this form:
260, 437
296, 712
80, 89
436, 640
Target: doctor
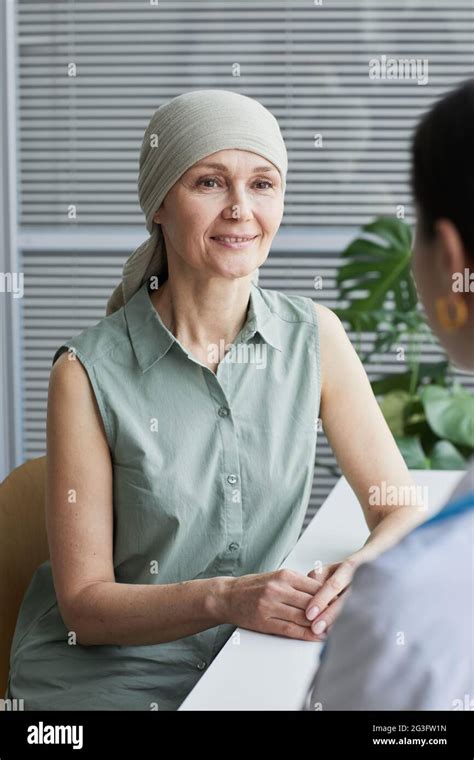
404, 639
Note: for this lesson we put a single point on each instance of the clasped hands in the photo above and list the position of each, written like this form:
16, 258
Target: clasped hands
334, 579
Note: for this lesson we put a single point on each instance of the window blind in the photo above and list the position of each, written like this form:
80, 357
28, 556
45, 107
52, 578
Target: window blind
309, 64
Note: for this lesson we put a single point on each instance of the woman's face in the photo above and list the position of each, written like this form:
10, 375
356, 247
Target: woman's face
436, 263
228, 193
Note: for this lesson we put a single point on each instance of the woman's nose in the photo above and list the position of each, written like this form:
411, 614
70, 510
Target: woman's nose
240, 205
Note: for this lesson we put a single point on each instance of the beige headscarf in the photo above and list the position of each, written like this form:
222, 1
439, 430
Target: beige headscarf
181, 132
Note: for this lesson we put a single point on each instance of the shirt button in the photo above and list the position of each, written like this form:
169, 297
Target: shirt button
232, 479
201, 665
223, 411
233, 547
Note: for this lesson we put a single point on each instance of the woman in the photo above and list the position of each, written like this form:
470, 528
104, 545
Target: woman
405, 638
178, 474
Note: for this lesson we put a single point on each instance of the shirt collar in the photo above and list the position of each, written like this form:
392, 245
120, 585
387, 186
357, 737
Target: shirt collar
151, 340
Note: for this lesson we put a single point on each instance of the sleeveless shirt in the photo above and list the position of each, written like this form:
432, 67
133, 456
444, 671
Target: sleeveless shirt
212, 474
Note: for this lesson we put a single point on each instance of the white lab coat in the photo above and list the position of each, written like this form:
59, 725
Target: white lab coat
404, 639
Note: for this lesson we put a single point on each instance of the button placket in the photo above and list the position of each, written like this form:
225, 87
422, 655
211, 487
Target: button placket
233, 506
233, 500
228, 559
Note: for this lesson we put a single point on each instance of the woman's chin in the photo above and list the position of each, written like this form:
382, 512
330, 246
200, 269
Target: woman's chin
235, 273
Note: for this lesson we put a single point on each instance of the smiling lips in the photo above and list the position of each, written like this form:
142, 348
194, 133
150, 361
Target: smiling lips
234, 241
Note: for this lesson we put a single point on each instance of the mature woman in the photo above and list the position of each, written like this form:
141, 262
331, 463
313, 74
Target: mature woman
179, 468
404, 640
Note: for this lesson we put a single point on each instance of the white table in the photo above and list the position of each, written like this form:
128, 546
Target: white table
256, 671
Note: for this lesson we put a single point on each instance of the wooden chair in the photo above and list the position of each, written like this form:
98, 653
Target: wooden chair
23, 547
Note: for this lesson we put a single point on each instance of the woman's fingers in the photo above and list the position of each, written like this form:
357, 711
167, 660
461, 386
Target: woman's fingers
291, 630
321, 575
331, 588
291, 614
323, 623
299, 582
294, 598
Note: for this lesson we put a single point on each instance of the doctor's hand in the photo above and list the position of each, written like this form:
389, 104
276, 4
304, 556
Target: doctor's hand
333, 581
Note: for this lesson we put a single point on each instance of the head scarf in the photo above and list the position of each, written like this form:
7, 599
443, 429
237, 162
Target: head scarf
180, 133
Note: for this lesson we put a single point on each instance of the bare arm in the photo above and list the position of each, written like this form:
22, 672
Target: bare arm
359, 435
79, 518
367, 455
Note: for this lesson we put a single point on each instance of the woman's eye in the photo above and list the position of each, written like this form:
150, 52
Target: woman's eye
205, 180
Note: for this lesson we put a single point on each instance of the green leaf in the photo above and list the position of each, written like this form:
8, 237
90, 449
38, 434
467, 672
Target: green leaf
378, 273
445, 456
398, 233
412, 452
450, 413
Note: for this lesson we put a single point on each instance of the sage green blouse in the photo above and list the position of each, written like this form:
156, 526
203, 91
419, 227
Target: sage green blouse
212, 474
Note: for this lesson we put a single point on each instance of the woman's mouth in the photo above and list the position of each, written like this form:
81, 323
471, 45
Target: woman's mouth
234, 242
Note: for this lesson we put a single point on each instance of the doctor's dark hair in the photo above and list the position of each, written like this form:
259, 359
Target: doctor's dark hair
443, 164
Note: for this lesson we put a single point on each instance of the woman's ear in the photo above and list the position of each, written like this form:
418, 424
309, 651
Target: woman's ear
452, 256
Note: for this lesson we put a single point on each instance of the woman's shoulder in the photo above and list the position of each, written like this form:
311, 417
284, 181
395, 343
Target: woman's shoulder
294, 307
286, 306
96, 342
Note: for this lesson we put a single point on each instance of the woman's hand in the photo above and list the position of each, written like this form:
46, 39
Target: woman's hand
272, 602
333, 582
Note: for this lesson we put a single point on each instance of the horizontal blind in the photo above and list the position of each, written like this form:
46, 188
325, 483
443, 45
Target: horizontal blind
309, 64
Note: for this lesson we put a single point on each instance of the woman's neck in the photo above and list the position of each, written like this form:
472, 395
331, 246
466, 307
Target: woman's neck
203, 315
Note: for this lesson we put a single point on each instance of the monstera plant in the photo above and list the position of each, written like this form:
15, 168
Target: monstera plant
430, 415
